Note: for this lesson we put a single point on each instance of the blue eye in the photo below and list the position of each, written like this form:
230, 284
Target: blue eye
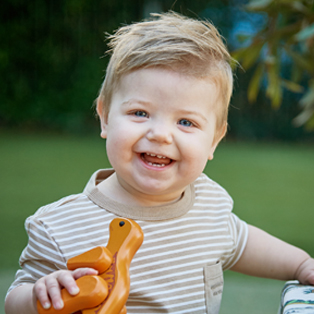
140, 113
185, 122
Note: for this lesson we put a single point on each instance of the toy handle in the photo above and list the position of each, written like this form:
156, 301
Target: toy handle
93, 291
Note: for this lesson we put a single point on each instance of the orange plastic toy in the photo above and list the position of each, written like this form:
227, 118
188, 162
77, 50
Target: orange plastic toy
108, 292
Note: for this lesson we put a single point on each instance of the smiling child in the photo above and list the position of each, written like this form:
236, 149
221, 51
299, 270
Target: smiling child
163, 110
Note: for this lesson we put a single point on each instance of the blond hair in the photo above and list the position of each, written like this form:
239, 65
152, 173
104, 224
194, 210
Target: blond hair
170, 40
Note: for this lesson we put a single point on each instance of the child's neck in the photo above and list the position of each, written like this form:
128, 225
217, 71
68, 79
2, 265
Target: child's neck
112, 188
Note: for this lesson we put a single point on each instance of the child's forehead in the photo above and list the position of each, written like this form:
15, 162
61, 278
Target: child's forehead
158, 78
204, 76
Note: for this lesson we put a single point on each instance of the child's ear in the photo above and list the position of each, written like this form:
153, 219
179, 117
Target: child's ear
220, 135
101, 113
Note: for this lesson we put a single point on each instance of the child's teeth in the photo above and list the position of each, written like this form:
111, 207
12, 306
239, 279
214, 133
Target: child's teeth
156, 165
154, 155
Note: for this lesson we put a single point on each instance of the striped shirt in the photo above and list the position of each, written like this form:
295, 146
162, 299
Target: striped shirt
178, 269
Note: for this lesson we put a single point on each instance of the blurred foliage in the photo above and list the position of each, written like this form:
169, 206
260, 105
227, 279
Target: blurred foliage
52, 64
281, 54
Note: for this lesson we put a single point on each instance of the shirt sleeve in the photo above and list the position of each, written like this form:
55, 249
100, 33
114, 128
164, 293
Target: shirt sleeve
238, 232
40, 257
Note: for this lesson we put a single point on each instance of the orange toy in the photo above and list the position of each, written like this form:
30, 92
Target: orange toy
108, 292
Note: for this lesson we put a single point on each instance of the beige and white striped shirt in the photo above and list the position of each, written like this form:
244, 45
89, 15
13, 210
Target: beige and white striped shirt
178, 269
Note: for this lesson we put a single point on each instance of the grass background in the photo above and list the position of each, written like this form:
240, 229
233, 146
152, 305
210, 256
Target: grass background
271, 184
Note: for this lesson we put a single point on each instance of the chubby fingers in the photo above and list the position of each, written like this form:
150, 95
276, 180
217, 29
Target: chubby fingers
40, 292
80, 272
48, 289
67, 280
305, 272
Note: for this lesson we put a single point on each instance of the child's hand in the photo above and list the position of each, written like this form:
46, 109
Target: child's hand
305, 272
48, 289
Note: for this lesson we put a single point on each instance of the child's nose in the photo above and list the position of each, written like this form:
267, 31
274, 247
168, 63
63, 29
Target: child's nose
160, 132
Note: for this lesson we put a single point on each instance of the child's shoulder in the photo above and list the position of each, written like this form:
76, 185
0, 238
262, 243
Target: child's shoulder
205, 181
61, 205
204, 184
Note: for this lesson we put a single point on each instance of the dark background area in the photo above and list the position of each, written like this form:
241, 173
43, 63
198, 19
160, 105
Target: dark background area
52, 64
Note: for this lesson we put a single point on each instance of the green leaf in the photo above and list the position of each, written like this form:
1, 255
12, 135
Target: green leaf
307, 104
254, 85
305, 33
309, 125
296, 73
248, 55
242, 37
258, 4
304, 117
298, 7
292, 86
307, 101
239, 53
274, 90
300, 60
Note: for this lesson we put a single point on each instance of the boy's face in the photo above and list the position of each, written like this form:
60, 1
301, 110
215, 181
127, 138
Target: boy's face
160, 132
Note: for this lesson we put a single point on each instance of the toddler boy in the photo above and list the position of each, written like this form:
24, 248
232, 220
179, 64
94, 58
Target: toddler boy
163, 110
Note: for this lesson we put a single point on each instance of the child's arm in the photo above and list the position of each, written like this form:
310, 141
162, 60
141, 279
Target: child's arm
268, 257
47, 289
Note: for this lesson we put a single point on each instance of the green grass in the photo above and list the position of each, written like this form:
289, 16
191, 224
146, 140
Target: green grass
271, 184
272, 187
249, 295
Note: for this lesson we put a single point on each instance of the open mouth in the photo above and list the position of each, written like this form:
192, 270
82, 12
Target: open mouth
156, 160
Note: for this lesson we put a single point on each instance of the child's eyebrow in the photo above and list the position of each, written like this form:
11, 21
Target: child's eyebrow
133, 100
